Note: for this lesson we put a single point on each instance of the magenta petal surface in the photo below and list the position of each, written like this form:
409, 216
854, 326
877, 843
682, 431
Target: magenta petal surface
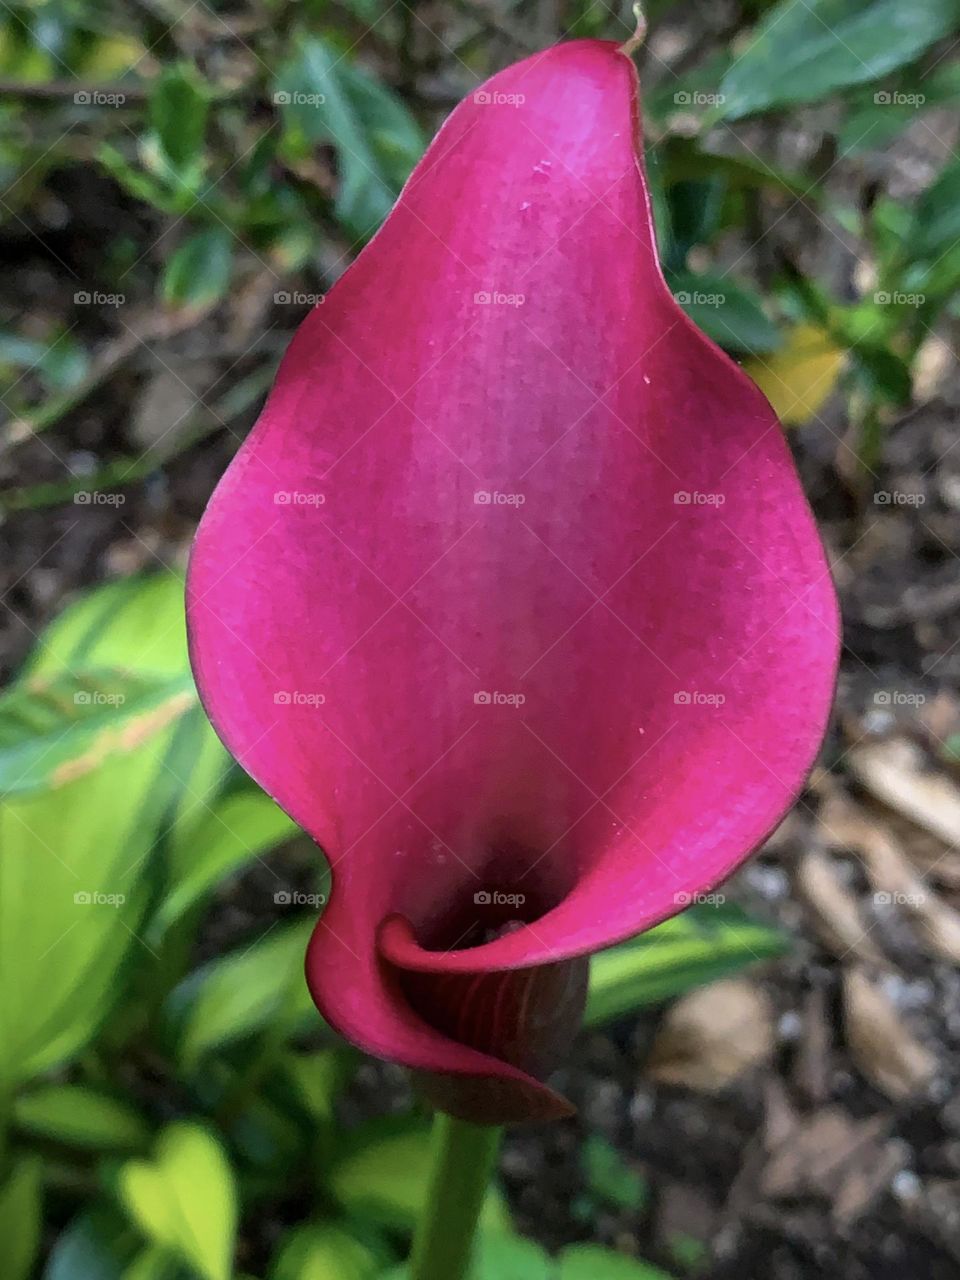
513, 589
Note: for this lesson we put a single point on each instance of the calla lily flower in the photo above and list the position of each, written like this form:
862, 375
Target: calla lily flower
512, 598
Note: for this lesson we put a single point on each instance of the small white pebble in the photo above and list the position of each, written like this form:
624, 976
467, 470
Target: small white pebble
906, 1185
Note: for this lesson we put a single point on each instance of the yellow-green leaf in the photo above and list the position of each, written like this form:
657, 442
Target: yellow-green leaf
185, 1199
20, 1218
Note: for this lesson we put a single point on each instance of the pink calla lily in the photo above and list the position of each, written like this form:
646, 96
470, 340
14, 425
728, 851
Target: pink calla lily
512, 598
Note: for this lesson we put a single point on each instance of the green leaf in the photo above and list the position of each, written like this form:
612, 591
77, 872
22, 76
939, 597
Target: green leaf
878, 116
886, 374
234, 997
323, 99
21, 1217
97, 1245
57, 729
133, 624
695, 209
154, 1263
186, 1199
236, 830
142, 186
78, 864
137, 625
59, 360
660, 207
610, 1178
687, 951
803, 52
319, 1079
729, 314
80, 1117
509, 1257
178, 114
384, 1175
592, 1262
326, 1251
198, 274
499, 1256
936, 221
73, 884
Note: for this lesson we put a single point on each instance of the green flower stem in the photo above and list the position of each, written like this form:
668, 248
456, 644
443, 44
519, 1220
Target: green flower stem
464, 1156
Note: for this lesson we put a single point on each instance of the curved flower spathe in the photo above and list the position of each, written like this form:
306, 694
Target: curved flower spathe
512, 598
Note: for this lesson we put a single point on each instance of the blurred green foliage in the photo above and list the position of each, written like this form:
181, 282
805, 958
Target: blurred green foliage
157, 1101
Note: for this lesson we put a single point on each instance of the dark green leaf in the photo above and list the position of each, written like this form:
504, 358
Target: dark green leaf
198, 274
936, 222
695, 209
178, 113
887, 375
728, 313
96, 1246
877, 116
323, 99
803, 52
